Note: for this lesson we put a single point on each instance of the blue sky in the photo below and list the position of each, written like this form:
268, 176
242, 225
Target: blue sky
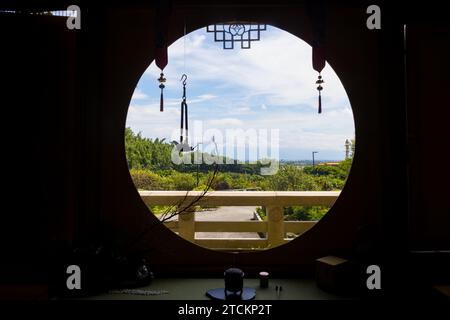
270, 86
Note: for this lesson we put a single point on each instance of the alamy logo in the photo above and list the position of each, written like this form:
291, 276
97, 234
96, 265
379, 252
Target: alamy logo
74, 19
224, 147
74, 280
374, 280
374, 20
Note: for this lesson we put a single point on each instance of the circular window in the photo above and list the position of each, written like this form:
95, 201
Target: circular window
240, 158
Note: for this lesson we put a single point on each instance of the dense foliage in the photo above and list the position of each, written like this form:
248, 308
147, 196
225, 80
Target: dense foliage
151, 168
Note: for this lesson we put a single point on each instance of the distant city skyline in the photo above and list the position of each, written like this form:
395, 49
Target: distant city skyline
270, 86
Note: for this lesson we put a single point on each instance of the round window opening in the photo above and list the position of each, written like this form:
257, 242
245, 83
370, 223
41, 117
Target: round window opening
239, 158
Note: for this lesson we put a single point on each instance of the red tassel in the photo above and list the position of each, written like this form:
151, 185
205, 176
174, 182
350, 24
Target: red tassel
163, 14
318, 58
320, 103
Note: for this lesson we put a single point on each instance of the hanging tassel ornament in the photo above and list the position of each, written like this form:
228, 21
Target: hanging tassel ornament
161, 80
318, 58
319, 88
163, 11
317, 11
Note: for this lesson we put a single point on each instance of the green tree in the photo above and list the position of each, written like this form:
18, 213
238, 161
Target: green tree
292, 178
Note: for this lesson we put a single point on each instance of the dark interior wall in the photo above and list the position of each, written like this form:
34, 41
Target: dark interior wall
98, 201
360, 203
428, 51
40, 116
72, 106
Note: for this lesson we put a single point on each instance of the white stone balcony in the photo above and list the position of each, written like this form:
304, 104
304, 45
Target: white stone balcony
274, 227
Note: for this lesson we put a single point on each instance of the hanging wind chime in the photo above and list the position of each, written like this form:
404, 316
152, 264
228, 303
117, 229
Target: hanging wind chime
184, 143
162, 25
317, 12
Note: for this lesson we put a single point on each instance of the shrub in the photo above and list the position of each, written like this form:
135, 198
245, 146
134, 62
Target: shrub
305, 213
202, 187
147, 180
181, 181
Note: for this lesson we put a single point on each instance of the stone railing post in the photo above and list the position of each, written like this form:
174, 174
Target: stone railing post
186, 224
275, 226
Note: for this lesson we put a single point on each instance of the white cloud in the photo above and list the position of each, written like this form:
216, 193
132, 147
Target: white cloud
278, 66
139, 95
205, 97
202, 98
271, 85
142, 118
225, 122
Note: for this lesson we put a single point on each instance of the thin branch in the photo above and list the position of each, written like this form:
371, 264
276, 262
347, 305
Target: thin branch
193, 202
167, 215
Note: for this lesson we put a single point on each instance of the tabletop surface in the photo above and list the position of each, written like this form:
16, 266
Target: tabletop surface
195, 289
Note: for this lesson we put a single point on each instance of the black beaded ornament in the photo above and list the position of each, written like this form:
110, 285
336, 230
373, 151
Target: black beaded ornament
319, 88
161, 80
